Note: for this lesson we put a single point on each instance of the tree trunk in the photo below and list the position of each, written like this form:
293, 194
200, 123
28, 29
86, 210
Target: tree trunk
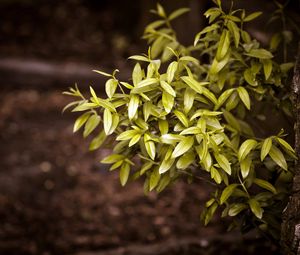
290, 232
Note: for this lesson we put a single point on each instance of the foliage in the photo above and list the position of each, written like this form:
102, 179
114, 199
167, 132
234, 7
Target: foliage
185, 111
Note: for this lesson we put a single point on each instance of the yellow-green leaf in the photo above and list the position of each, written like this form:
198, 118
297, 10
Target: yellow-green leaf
110, 87
80, 121
252, 16
223, 45
227, 192
91, 124
244, 96
168, 101
97, 141
165, 165
107, 121
181, 116
137, 74
124, 173
154, 179
183, 146
278, 157
172, 68
245, 148
133, 106
265, 149
113, 158
245, 165
168, 88
150, 148
267, 63
193, 84
265, 185
223, 163
256, 208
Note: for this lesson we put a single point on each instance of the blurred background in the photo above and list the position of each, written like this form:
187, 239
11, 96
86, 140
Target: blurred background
55, 196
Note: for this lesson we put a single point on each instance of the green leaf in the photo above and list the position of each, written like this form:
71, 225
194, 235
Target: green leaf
140, 58
266, 147
235, 209
97, 141
133, 106
154, 179
223, 45
214, 173
84, 107
191, 131
171, 138
145, 86
134, 140
204, 31
245, 149
124, 173
265, 185
178, 13
210, 96
232, 101
107, 121
165, 165
115, 123
252, 16
259, 53
160, 10
94, 95
102, 73
189, 59
285, 145
163, 126
244, 96
223, 97
217, 66
256, 208
110, 87
267, 63
278, 157
106, 104
137, 74
183, 119
172, 68
168, 101
127, 135
113, 158
148, 165
185, 160
91, 124
188, 99
210, 213
235, 32
183, 146
150, 148
227, 192
245, 165
250, 77
193, 84
168, 88
80, 121
231, 120
223, 163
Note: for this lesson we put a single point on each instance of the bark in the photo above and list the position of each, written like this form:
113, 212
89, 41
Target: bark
290, 232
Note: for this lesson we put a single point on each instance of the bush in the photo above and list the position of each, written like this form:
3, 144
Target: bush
187, 110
